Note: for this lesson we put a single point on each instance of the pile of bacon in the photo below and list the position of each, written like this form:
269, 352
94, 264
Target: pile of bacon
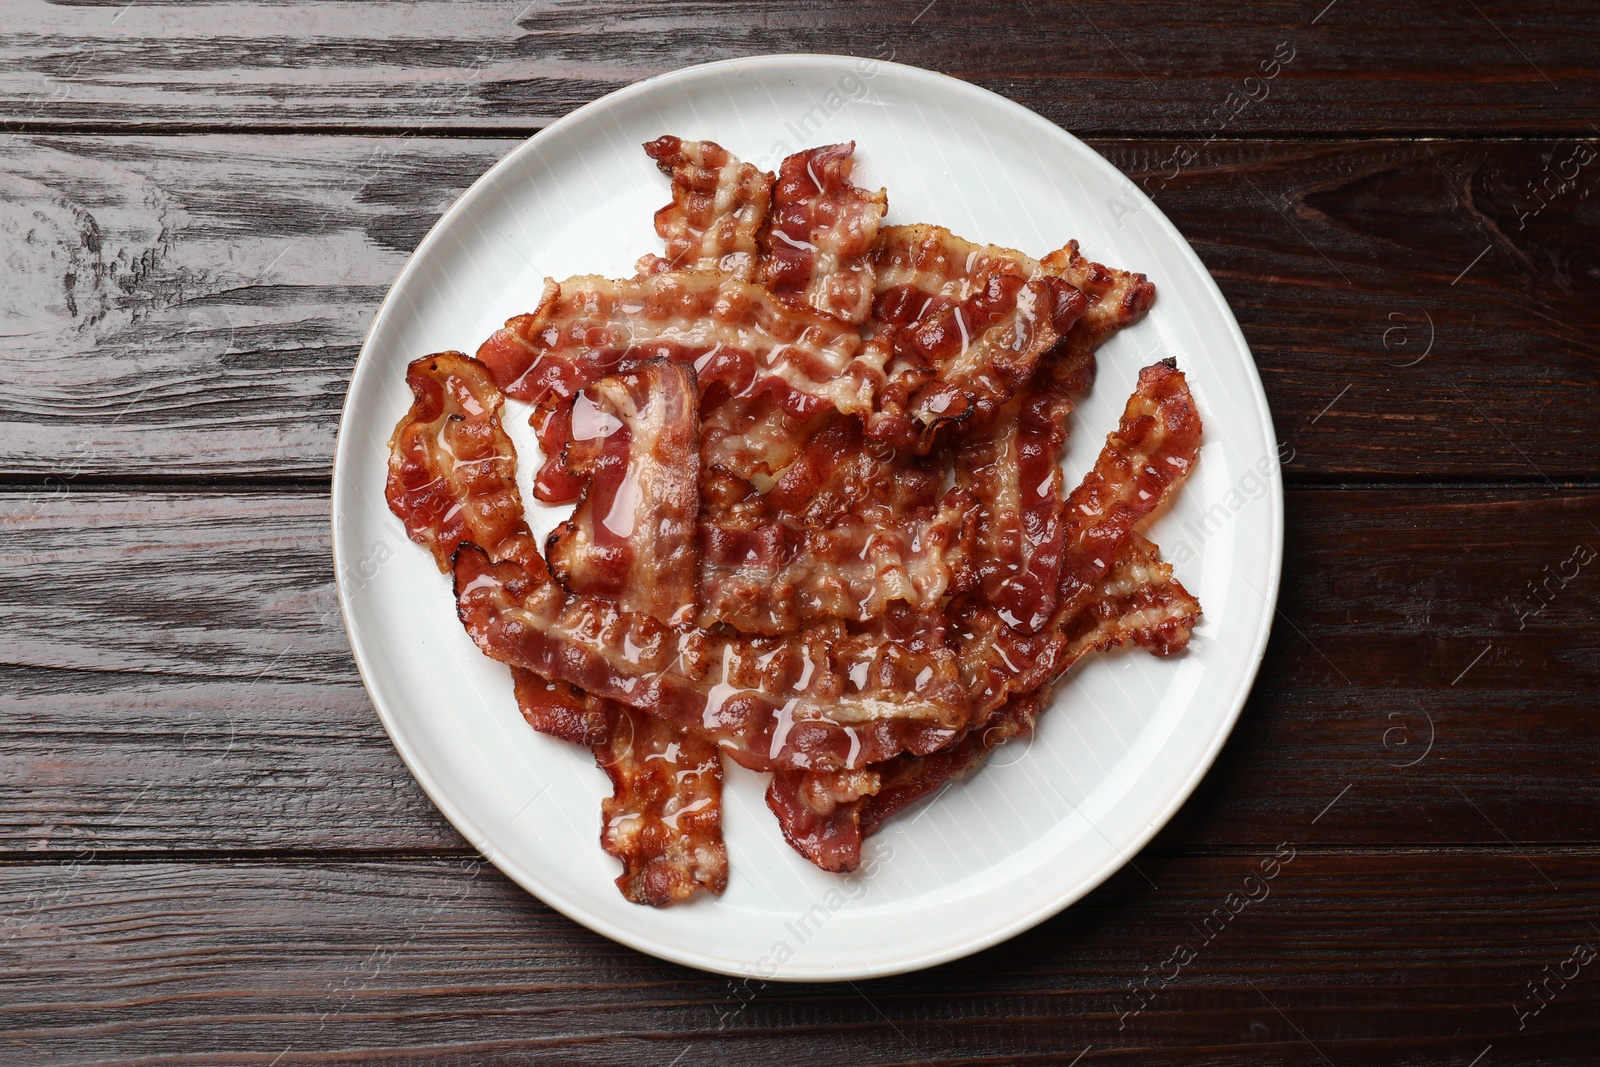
820, 524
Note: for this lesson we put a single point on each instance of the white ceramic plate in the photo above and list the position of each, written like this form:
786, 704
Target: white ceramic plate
1129, 735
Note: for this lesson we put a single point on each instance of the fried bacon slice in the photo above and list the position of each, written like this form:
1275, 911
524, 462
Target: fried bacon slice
632, 537
768, 374
824, 697
719, 206
818, 246
1152, 449
452, 470
962, 325
1116, 299
663, 819
452, 481
825, 815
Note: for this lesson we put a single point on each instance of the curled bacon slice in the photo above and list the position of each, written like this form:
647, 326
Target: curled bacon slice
718, 208
452, 481
821, 234
963, 325
452, 471
767, 373
825, 815
632, 537
823, 698
663, 819
1152, 449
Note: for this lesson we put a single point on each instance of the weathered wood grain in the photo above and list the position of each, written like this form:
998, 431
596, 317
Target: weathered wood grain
1108, 68
191, 306
1417, 958
176, 677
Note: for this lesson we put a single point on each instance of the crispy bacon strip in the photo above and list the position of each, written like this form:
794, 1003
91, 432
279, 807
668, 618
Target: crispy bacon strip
452, 481
1153, 448
718, 208
452, 471
823, 698
632, 537
962, 326
1012, 462
825, 815
663, 819
818, 247
767, 373
1011, 465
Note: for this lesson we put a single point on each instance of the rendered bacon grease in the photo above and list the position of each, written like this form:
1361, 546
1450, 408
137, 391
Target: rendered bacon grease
820, 526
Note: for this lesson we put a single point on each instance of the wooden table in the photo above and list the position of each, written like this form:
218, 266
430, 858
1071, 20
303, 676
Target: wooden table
210, 852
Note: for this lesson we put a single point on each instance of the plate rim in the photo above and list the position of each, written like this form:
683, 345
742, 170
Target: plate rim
685, 955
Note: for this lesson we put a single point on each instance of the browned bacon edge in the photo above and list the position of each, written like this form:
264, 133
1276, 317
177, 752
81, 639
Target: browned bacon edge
719, 207
663, 818
818, 245
632, 537
825, 816
452, 471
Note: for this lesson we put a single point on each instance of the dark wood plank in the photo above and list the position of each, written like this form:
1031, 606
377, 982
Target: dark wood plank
1356, 958
199, 301
1111, 68
176, 677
